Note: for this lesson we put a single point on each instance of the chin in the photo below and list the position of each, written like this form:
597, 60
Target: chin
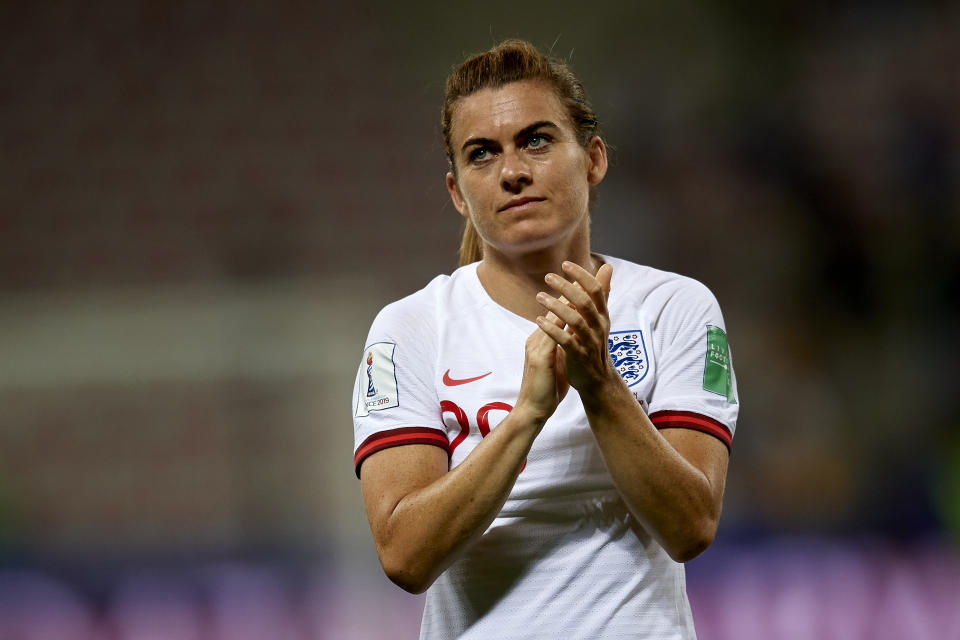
531, 243
534, 234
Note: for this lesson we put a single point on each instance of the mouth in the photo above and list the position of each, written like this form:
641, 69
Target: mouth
519, 203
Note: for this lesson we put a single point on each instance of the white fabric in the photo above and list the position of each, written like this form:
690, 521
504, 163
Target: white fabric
564, 559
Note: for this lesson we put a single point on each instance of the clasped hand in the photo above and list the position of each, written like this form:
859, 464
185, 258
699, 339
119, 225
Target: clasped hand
579, 323
569, 348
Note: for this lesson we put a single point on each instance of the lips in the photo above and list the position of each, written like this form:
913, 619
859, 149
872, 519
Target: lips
519, 202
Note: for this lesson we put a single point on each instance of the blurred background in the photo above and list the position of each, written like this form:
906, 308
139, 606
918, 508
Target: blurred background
203, 205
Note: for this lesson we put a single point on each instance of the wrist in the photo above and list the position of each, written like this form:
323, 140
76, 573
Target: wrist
528, 416
603, 392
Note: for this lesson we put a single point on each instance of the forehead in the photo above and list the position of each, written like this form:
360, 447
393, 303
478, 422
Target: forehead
502, 111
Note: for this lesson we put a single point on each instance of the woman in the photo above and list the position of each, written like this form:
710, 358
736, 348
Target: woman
541, 437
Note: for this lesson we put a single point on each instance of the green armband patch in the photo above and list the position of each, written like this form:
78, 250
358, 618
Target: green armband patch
716, 371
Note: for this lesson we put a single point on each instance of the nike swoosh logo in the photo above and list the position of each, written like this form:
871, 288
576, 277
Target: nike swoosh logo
452, 382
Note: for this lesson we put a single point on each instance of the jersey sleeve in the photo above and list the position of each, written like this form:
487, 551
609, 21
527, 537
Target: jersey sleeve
394, 399
696, 387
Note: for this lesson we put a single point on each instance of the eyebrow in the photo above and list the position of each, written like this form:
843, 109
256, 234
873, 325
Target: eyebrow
523, 133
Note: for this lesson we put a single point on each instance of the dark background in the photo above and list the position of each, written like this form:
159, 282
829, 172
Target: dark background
203, 205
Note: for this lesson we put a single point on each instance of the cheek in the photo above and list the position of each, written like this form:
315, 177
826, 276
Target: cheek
576, 191
575, 180
467, 197
473, 195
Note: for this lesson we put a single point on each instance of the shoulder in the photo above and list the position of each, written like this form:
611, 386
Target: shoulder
656, 288
417, 306
421, 311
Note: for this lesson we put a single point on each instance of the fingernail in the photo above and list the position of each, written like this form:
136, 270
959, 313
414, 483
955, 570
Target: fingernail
550, 278
541, 297
567, 264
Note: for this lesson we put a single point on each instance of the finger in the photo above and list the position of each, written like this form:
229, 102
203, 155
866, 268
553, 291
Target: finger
552, 317
591, 285
567, 314
580, 299
563, 300
605, 277
555, 333
540, 345
563, 383
571, 290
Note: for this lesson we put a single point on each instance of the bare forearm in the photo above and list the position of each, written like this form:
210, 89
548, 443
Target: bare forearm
428, 527
668, 494
423, 515
672, 484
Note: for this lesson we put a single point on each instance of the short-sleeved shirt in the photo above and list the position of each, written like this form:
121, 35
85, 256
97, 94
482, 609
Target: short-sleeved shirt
564, 558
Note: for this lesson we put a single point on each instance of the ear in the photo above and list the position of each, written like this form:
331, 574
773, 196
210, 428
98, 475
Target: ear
454, 190
597, 154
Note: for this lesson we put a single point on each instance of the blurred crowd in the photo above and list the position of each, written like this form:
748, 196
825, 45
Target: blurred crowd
203, 206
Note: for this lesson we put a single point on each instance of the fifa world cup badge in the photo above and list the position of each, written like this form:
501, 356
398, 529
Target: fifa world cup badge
371, 390
381, 376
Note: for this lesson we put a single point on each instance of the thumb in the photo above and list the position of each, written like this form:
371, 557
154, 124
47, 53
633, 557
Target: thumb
604, 276
563, 384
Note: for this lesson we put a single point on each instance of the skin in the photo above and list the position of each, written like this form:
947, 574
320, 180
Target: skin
523, 180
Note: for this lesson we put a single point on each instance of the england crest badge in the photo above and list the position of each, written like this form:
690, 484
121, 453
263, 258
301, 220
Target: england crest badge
629, 354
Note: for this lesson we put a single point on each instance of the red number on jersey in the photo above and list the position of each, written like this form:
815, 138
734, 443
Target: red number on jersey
483, 419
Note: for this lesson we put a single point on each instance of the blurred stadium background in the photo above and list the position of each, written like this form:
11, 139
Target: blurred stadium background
202, 206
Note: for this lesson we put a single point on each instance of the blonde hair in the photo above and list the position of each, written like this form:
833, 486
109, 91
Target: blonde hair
512, 61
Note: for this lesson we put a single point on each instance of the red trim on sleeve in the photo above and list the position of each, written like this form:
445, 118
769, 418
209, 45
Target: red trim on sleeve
691, 420
397, 437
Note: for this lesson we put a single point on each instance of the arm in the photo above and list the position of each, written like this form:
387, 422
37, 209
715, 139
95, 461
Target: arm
677, 490
421, 515
672, 481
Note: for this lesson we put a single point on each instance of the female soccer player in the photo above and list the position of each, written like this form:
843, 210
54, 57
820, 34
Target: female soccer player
541, 437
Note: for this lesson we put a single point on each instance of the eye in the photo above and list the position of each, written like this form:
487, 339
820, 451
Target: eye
479, 154
538, 141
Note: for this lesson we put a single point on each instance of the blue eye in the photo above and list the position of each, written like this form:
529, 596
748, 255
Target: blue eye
537, 141
479, 154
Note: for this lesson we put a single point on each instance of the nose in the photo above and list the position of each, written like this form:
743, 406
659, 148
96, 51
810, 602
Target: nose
515, 172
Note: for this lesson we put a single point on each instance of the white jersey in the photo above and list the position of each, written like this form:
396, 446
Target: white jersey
564, 559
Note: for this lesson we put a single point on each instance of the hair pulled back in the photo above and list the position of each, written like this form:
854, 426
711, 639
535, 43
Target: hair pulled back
512, 61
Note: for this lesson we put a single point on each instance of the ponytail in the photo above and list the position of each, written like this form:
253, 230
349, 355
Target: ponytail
471, 247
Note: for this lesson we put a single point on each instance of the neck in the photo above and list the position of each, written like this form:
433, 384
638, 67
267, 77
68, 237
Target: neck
513, 281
